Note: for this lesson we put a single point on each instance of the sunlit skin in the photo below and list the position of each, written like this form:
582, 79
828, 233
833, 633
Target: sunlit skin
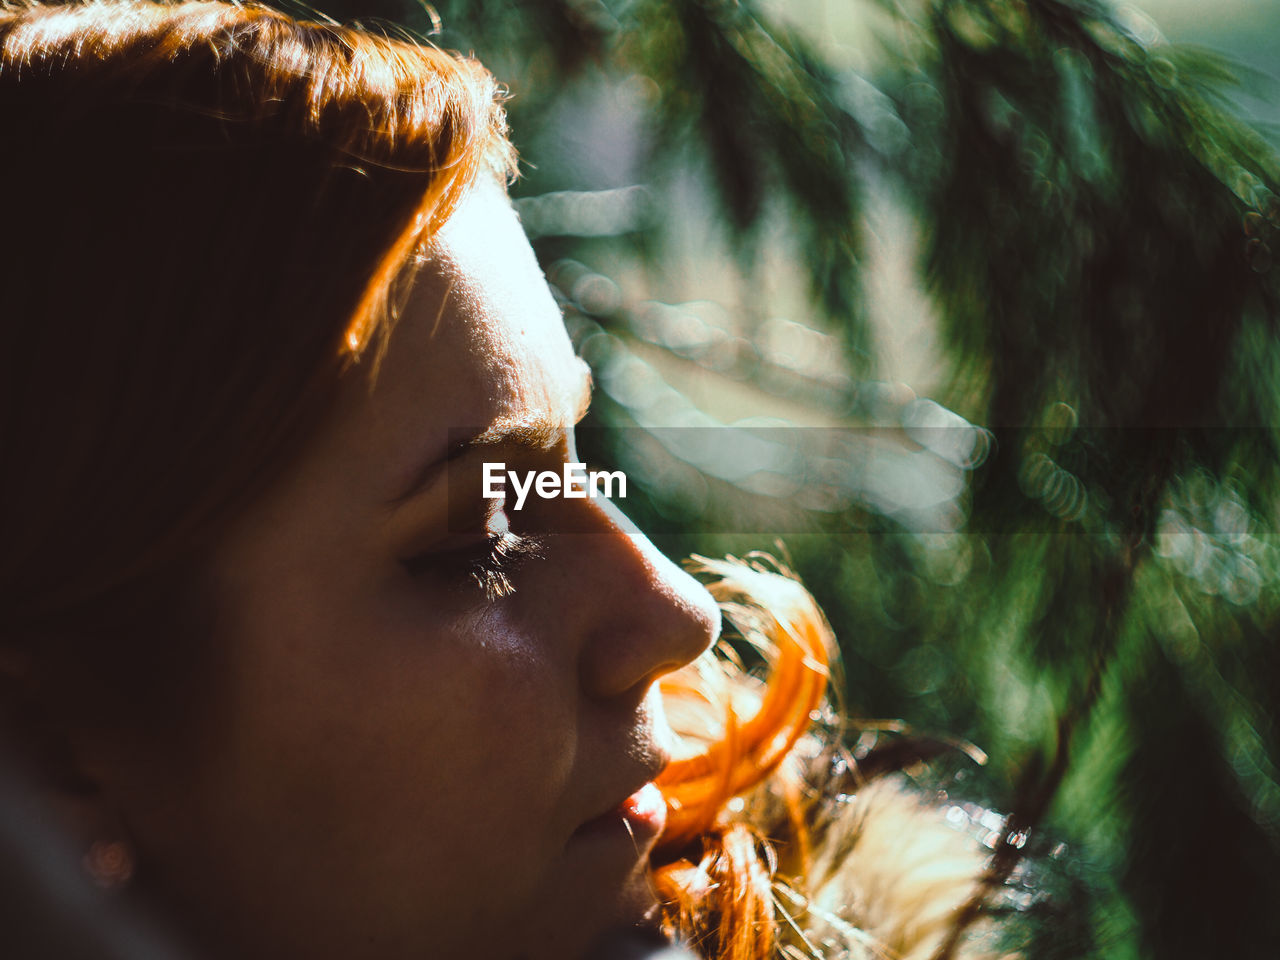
396, 761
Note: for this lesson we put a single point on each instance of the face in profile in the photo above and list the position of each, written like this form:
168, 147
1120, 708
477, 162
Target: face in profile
425, 718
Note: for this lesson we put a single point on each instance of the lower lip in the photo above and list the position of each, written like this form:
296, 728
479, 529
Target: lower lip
641, 817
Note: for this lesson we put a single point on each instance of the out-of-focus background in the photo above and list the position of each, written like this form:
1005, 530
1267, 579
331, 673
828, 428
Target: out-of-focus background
972, 304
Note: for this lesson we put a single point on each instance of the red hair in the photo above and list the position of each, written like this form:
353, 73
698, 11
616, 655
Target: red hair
742, 733
206, 188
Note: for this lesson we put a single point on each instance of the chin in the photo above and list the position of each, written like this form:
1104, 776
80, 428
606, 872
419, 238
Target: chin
589, 914
638, 906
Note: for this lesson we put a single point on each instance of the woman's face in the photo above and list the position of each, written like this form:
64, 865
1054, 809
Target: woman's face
412, 747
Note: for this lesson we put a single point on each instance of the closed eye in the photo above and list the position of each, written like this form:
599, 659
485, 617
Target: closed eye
485, 561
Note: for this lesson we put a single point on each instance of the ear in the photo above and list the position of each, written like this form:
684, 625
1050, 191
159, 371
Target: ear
56, 877
47, 776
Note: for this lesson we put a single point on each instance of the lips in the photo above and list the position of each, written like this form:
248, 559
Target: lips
640, 816
648, 807
641, 813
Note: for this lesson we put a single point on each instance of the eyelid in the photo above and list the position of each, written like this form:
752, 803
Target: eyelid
484, 563
469, 516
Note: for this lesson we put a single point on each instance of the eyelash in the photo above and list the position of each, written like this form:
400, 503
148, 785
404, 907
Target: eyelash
487, 565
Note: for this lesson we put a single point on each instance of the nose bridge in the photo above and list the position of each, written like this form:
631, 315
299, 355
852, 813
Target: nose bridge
645, 616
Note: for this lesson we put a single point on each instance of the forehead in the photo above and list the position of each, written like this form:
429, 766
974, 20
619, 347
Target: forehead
480, 343
483, 278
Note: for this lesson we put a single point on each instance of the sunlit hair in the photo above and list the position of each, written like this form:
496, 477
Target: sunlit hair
740, 734
213, 211
779, 842
208, 210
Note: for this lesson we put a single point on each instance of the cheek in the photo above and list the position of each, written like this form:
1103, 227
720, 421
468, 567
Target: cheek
503, 718
474, 751
452, 716
360, 752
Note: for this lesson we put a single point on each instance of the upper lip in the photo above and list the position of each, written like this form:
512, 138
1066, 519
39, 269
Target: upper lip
649, 773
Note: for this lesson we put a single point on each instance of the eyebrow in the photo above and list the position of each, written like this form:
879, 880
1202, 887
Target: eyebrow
538, 431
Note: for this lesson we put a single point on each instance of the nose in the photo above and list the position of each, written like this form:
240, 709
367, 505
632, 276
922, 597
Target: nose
642, 615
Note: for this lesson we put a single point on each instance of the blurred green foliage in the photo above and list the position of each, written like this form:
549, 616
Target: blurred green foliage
1098, 243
